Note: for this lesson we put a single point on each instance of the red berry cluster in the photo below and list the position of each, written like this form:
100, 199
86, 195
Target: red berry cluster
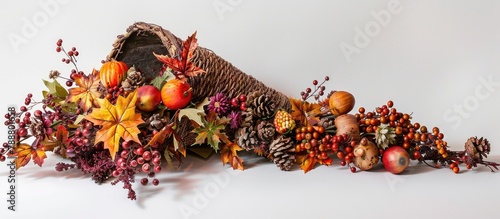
136, 158
315, 143
114, 92
71, 55
421, 143
70, 58
319, 90
79, 142
239, 102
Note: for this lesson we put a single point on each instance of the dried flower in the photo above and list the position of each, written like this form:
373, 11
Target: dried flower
385, 135
219, 104
54, 74
234, 119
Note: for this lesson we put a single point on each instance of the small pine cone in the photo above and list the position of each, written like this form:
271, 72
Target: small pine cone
102, 90
282, 152
265, 131
477, 148
263, 106
247, 138
247, 118
36, 127
134, 80
156, 122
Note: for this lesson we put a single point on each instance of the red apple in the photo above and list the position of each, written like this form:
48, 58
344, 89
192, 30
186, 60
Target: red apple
148, 98
395, 159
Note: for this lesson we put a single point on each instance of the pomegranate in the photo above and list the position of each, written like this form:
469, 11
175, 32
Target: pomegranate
395, 159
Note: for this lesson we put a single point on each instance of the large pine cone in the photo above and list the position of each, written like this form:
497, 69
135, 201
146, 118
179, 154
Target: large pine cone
282, 152
247, 138
263, 106
266, 131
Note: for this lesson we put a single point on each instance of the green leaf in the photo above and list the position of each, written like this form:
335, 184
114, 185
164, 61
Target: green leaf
160, 80
56, 89
168, 156
212, 131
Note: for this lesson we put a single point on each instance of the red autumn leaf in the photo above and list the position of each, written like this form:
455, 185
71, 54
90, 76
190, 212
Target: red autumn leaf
160, 136
38, 156
229, 154
182, 66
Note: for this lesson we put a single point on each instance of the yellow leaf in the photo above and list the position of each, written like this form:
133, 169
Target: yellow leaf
86, 93
22, 152
229, 154
118, 122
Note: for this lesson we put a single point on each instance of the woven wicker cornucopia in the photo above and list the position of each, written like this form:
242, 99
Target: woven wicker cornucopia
136, 48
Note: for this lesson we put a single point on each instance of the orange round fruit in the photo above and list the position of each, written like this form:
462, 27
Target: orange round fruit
112, 73
341, 102
176, 94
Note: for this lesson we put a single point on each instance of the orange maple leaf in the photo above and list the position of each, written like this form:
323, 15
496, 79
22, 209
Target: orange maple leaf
229, 154
302, 111
117, 121
306, 162
24, 153
86, 94
182, 66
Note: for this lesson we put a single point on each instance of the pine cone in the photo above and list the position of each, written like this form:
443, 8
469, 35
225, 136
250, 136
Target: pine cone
134, 80
265, 132
282, 152
247, 138
477, 148
247, 118
156, 122
263, 106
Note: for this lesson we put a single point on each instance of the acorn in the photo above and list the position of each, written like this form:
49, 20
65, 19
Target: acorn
341, 102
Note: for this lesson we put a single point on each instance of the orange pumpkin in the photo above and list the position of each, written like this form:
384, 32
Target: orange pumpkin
341, 102
112, 73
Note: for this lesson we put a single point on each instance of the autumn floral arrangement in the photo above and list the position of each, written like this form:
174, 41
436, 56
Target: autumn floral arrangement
117, 121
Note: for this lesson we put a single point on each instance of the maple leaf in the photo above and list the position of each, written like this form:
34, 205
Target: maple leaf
182, 66
302, 111
306, 162
58, 139
210, 132
229, 154
86, 94
117, 121
160, 136
24, 153
38, 156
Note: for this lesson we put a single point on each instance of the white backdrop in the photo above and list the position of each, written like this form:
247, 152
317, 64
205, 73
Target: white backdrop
437, 59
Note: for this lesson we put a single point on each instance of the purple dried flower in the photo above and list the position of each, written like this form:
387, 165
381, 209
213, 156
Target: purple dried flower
235, 119
219, 104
